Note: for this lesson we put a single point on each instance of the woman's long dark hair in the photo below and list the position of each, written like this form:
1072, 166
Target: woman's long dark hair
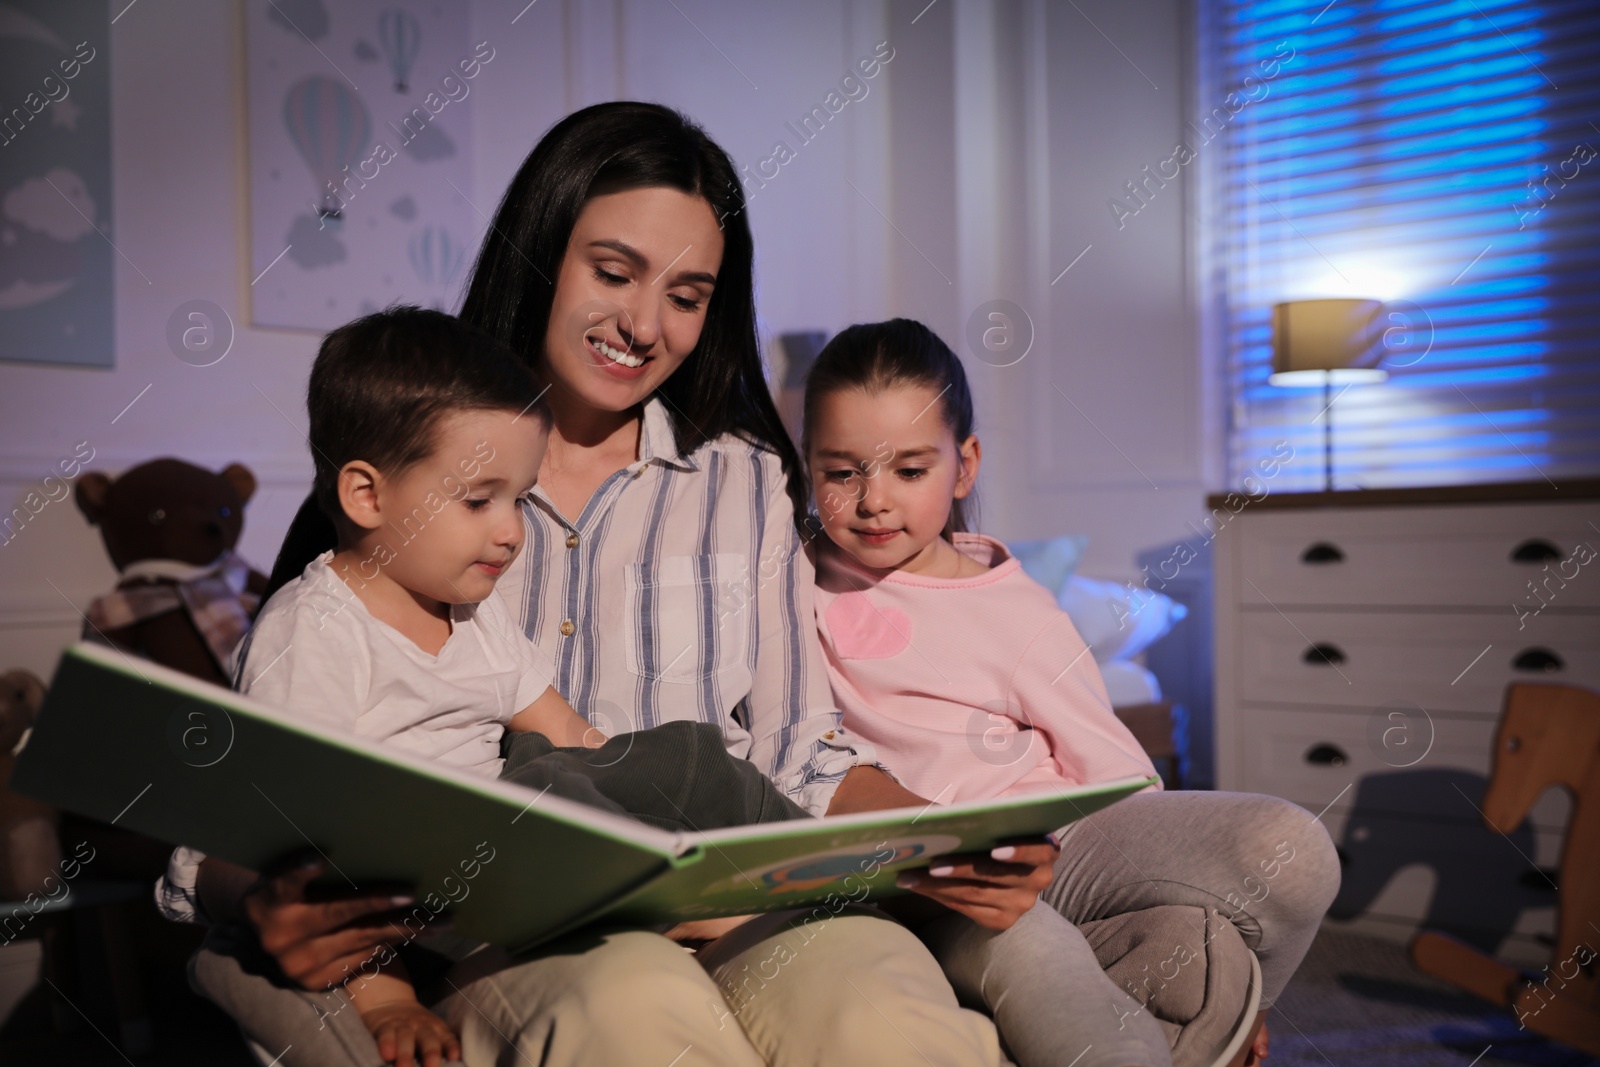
609, 148
311, 533
875, 356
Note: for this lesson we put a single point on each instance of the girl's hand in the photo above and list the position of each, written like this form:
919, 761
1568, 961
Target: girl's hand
410, 1035
993, 891
320, 943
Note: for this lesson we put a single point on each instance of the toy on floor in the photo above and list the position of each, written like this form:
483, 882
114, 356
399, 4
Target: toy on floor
30, 851
1548, 735
185, 598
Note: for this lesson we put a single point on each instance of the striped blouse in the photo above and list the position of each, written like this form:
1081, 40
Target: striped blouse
681, 592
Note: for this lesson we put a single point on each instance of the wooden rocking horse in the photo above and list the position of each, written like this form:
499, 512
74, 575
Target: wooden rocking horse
1548, 735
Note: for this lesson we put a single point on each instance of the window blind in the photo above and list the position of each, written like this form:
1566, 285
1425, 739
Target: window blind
1439, 155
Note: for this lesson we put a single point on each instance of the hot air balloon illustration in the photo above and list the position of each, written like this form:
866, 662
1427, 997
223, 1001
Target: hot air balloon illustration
399, 35
330, 126
436, 256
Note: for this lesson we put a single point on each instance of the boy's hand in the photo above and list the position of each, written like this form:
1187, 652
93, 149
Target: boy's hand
552, 716
410, 1035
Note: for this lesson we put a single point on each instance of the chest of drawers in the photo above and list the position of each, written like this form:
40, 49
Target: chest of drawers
1364, 642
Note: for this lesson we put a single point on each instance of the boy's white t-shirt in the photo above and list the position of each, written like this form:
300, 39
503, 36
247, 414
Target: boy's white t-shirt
317, 654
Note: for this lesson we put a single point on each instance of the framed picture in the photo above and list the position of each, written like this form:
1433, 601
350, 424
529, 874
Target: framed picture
360, 156
57, 259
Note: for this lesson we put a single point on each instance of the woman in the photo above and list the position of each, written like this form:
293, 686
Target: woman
664, 574
663, 577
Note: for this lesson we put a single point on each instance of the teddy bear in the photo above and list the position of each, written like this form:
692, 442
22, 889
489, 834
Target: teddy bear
185, 598
30, 851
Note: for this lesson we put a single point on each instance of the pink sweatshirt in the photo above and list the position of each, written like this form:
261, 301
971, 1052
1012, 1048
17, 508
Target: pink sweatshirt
969, 688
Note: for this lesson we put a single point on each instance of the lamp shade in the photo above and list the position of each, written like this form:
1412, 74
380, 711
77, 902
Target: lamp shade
1319, 341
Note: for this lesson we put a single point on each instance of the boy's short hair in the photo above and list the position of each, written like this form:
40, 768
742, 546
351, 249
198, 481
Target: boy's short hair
381, 384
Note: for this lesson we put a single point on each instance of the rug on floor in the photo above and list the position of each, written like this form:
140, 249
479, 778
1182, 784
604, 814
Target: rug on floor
1357, 1000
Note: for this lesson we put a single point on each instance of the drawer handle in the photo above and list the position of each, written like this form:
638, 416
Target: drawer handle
1535, 550
1322, 552
1538, 659
1323, 655
1326, 755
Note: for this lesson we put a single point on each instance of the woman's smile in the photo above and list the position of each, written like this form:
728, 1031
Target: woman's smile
620, 361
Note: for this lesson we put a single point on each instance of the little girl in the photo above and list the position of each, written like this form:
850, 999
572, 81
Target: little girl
971, 683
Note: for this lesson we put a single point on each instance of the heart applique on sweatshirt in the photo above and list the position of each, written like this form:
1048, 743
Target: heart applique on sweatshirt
863, 630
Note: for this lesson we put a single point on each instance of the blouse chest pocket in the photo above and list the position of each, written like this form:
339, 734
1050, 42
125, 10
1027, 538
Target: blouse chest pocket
691, 615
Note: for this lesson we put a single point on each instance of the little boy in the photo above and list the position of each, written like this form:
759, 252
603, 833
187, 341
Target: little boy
425, 436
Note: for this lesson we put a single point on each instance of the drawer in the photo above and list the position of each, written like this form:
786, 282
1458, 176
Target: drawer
1461, 879
1438, 556
1399, 762
1443, 662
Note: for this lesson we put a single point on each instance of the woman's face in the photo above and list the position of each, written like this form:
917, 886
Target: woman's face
631, 295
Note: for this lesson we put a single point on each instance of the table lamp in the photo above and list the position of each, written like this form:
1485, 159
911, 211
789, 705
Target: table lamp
1326, 342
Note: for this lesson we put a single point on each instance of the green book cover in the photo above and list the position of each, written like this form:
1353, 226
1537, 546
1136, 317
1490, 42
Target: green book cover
133, 743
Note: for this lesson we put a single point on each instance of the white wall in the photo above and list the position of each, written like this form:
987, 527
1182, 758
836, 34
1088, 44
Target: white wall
990, 142
177, 211
756, 68
1098, 430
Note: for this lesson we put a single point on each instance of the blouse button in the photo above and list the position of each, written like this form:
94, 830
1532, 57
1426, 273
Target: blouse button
828, 736
567, 628
572, 540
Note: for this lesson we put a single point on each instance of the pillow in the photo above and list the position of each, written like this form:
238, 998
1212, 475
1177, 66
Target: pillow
1128, 684
1049, 562
1118, 621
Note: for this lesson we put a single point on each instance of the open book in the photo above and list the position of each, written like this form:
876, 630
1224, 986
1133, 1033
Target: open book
135, 744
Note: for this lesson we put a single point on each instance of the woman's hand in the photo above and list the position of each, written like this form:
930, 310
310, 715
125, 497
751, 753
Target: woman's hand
319, 943
993, 891
409, 1035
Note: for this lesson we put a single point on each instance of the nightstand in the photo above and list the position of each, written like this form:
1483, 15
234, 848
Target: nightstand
1364, 642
